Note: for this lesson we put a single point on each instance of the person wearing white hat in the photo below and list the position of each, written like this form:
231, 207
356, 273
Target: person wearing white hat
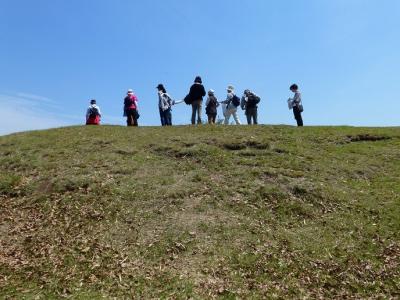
131, 109
232, 102
211, 107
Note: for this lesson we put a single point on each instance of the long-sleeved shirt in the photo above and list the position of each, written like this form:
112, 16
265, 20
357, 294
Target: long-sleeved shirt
164, 101
296, 100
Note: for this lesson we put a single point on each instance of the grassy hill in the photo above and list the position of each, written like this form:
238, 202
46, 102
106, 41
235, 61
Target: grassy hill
200, 212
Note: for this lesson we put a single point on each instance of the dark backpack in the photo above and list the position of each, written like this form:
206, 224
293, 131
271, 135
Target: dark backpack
235, 100
211, 108
252, 101
188, 99
94, 112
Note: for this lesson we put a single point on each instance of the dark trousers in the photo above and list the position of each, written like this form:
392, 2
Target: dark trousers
131, 117
251, 113
196, 110
211, 118
166, 117
297, 116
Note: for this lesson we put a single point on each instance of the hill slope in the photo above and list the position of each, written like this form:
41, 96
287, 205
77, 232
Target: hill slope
199, 212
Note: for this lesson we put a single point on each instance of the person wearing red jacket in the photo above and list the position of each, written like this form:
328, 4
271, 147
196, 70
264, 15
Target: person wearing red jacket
93, 114
131, 109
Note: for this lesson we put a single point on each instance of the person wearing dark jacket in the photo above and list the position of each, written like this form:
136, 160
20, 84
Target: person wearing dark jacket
196, 94
131, 109
211, 107
164, 106
249, 105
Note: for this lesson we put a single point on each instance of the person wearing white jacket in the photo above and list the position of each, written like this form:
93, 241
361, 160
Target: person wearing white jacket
164, 105
93, 114
232, 102
296, 104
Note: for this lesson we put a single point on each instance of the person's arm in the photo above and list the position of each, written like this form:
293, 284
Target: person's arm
177, 102
136, 100
229, 98
208, 101
203, 91
243, 102
192, 89
87, 113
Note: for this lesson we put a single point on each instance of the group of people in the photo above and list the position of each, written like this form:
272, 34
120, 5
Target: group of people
248, 102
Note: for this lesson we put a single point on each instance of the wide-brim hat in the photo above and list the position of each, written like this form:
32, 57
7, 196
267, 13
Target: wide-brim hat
130, 91
230, 88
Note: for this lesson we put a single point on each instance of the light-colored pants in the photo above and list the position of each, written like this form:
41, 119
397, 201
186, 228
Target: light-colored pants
231, 112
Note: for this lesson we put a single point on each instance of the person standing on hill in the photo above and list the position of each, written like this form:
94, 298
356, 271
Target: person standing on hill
131, 109
296, 104
211, 107
93, 114
164, 106
249, 105
232, 102
196, 94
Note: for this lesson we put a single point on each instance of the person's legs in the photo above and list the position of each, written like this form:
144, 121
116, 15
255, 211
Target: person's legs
168, 117
162, 117
194, 108
134, 117
227, 117
128, 118
300, 120
248, 116
213, 118
199, 106
255, 116
252, 116
209, 118
235, 117
297, 116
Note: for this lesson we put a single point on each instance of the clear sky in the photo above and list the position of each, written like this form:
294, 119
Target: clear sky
55, 55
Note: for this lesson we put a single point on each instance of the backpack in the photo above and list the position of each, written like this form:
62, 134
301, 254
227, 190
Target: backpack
252, 101
235, 101
94, 112
188, 99
211, 108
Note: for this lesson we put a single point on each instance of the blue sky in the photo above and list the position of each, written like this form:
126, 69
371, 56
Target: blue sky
56, 55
